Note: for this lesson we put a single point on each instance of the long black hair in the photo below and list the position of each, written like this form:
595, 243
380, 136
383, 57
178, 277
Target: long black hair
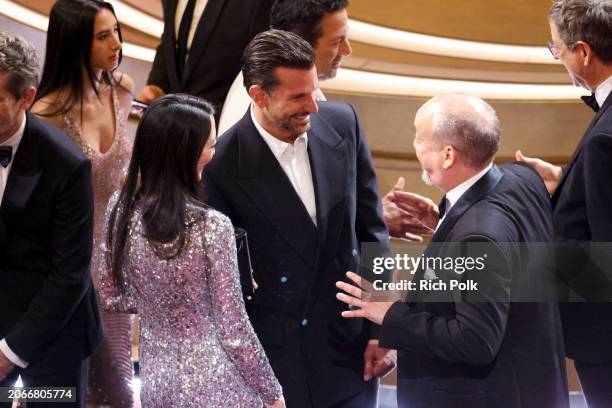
162, 175
69, 40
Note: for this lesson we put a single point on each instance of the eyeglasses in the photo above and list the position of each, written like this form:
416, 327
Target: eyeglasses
554, 49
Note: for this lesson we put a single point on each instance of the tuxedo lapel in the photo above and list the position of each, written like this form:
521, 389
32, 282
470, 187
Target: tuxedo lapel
467, 200
264, 181
204, 30
327, 155
576, 154
25, 171
474, 194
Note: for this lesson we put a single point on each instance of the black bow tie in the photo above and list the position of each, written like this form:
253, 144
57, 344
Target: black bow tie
591, 101
442, 207
6, 154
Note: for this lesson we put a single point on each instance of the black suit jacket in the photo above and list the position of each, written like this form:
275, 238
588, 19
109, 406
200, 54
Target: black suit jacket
47, 302
224, 30
582, 211
483, 350
316, 354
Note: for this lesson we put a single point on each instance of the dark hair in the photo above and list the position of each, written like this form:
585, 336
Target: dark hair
304, 16
18, 60
162, 174
69, 41
272, 49
585, 20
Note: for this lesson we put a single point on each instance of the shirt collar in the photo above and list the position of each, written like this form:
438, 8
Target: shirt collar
455, 194
14, 140
277, 146
603, 90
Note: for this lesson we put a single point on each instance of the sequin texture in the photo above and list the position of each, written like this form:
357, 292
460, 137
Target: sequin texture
110, 366
198, 348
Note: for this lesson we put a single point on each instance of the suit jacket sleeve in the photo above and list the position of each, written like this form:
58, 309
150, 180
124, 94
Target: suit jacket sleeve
64, 289
598, 171
474, 333
235, 332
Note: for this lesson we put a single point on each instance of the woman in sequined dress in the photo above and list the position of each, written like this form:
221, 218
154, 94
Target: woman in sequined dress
172, 260
82, 93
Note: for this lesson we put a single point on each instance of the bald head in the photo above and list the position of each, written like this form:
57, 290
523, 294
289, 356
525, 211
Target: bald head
465, 122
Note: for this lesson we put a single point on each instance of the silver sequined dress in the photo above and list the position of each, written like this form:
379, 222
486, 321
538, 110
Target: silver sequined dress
198, 348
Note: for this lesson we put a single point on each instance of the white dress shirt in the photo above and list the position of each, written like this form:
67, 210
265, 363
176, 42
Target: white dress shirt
455, 194
603, 90
293, 158
181, 5
12, 141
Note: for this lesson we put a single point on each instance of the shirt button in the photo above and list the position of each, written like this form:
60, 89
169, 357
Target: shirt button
283, 279
354, 252
304, 322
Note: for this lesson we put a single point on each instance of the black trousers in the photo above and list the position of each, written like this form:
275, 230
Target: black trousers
596, 382
68, 374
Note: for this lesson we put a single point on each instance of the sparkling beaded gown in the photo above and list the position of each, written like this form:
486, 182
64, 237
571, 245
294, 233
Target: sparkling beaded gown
110, 367
198, 348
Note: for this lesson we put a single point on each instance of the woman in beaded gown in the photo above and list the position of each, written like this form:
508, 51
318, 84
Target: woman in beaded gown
90, 101
172, 260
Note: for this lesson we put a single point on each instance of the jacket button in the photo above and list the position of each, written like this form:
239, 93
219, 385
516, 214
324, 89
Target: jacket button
304, 322
354, 252
283, 279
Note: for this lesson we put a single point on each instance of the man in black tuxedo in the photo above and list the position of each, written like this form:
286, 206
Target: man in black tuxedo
49, 321
201, 46
298, 177
581, 192
473, 347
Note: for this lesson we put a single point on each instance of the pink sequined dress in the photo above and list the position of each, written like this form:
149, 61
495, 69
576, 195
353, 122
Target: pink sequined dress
110, 367
198, 348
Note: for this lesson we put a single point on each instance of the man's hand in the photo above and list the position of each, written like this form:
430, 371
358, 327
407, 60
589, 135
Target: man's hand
550, 173
423, 211
150, 93
378, 361
402, 224
358, 296
6, 366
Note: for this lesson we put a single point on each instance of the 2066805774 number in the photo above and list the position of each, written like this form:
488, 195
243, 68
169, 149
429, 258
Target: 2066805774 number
38, 394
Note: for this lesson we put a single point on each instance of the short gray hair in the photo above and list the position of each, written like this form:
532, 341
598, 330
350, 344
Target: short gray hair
18, 59
585, 20
469, 124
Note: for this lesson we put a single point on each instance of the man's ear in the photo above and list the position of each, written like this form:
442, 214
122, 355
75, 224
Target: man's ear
259, 96
449, 157
28, 99
585, 51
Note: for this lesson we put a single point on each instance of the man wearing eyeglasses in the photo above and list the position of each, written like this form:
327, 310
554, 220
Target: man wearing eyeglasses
581, 192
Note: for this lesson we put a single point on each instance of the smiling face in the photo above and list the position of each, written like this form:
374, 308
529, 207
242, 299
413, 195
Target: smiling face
286, 109
106, 43
333, 44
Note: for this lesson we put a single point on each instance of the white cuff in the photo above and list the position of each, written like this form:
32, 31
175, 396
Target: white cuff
6, 350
